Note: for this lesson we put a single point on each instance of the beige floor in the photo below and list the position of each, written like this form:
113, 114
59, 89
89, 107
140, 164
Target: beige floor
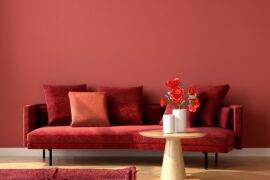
237, 168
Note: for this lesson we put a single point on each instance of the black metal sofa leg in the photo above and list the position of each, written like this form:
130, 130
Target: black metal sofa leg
43, 153
216, 159
50, 157
205, 160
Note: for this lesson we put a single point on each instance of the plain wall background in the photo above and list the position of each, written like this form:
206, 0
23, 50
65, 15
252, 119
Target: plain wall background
135, 42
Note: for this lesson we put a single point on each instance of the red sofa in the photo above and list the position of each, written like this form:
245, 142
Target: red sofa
38, 135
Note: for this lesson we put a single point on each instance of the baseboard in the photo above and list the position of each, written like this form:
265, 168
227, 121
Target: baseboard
14, 152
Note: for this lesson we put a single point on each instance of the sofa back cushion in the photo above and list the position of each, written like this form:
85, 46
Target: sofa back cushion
58, 105
214, 96
124, 105
152, 114
88, 109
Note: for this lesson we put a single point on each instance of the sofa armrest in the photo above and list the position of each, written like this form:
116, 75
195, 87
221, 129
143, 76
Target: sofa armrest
30, 119
237, 124
230, 117
224, 117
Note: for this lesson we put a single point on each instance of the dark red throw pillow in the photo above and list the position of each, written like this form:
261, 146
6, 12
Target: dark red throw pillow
192, 117
124, 105
214, 96
57, 100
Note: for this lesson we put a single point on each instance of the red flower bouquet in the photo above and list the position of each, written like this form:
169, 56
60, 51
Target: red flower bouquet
179, 98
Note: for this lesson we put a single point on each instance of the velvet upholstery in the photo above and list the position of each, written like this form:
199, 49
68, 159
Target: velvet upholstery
219, 139
126, 137
125, 105
225, 112
88, 109
34, 116
56, 97
213, 99
86, 135
152, 114
237, 124
214, 137
120, 137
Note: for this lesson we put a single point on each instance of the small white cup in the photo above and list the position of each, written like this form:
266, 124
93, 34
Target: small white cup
168, 123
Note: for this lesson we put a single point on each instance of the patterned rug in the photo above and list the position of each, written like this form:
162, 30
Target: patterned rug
68, 174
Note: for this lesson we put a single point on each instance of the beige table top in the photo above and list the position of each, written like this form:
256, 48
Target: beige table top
159, 134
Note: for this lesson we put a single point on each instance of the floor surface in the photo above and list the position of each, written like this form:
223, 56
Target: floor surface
232, 168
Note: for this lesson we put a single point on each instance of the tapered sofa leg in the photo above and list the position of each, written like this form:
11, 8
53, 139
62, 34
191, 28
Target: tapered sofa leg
43, 153
50, 157
216, 159
205, 160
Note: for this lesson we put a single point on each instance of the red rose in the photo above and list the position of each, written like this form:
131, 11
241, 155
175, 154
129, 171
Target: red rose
191, 90
162, 102
176, 95
172, 84
193, 105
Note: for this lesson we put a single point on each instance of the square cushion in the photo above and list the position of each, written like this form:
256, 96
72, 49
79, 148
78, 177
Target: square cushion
88, 109
124, 105
214, 96
56, 97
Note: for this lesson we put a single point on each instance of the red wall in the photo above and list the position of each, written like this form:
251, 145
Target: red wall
126, 43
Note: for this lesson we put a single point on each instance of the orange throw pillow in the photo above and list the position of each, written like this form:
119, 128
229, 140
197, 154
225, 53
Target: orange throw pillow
88, 109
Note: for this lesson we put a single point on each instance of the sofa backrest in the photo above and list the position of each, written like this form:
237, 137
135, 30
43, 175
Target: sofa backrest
152, 114
42, 115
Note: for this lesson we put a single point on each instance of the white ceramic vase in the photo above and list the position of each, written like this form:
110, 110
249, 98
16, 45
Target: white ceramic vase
168, 123
180, 120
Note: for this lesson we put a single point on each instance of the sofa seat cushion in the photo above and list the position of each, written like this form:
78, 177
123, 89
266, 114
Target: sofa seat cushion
215, 136
86, 135
124, 137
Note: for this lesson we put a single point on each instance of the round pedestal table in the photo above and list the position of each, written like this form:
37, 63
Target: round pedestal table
173, 167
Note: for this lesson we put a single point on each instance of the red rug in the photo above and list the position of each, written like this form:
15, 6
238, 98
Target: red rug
68, 174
